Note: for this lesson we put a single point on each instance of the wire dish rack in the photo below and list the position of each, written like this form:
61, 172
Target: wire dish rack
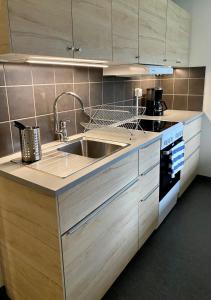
113, 116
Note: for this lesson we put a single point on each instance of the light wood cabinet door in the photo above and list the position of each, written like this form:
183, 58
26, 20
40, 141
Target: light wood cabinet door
4, 28
92, 29
189, 171
79, 201
149, 157
148, 215
41, 27
152, 31
192, 128
97, 252
125, 31
177, 35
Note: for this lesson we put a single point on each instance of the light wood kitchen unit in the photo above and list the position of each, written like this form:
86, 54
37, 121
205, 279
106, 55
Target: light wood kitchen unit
75, 244
125, 31
40, 27
177, 35
92, 29
4, 28
66, 28
144, 31
152, 31
192, 133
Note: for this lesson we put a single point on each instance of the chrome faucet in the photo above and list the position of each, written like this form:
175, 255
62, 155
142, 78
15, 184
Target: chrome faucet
61, 127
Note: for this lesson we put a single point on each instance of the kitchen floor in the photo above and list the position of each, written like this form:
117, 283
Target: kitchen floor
175, 263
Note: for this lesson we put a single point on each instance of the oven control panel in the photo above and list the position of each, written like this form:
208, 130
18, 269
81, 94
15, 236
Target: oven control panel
172, 134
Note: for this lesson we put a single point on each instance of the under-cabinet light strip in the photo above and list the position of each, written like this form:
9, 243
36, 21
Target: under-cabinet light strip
64, 63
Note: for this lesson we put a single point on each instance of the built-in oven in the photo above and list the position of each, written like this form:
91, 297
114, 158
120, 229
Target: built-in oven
167, 181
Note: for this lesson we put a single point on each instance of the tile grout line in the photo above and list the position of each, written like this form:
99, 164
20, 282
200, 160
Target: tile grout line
76, 130
89, 87
173, 91
33, 93
8, 109
188, 88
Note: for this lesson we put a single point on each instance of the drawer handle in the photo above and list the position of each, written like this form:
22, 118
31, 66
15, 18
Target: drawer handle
150, 193
150, 169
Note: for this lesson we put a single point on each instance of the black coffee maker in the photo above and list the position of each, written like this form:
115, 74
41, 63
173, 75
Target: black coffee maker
155, 106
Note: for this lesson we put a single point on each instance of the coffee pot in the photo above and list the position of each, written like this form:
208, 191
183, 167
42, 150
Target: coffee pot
155, 106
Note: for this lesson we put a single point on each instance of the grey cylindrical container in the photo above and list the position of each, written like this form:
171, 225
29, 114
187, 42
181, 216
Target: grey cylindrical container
30, 144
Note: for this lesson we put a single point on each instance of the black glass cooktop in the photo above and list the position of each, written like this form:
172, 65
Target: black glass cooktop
149, 125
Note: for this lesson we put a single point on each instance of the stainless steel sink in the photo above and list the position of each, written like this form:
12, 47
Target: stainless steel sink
70, 158
92, 148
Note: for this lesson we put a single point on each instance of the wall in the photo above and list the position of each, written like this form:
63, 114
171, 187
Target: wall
200, 55
184, 89
27, 94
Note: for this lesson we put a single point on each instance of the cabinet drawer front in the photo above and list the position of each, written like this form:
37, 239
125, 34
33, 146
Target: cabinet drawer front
192, 129
81, 200
97, 251
148, 157
189, 171
149, 181
192, 145
148, 216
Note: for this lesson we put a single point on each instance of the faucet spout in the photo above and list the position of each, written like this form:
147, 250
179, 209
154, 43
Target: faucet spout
58, 130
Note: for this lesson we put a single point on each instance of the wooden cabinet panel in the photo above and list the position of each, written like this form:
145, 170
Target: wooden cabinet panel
192, 129
149, 181
41, 27
192, 145
125, 31
4, 28
1, 275
148, 157
97, 252
81, 200
30, 244
178, 35
152, 31
184, 38
189, 171
148, 216
92, 29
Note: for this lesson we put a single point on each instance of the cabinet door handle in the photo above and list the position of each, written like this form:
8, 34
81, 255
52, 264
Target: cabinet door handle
164, 59
178, 61
150, 193
70, 48
137, 56
78, 49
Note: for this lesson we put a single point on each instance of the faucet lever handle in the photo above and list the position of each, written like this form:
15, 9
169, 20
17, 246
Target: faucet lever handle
63, 123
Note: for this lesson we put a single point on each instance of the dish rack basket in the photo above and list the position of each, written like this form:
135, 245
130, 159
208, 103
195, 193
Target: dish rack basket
113, 116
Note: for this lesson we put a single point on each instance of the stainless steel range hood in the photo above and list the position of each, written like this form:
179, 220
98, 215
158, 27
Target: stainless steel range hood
136, 70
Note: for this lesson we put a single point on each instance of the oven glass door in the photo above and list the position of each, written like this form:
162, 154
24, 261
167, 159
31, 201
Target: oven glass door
166, 181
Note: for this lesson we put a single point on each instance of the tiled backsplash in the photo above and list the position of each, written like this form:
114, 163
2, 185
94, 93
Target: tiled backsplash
27, 94
184, 90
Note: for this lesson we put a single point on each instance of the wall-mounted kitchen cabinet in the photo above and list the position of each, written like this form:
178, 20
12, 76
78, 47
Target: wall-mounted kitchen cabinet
152, 31
144, 31
125, 31
177, 35
65, 28
92, 29
40, 27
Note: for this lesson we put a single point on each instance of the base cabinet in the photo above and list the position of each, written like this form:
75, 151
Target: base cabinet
189, 171
97, 252
148, 215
